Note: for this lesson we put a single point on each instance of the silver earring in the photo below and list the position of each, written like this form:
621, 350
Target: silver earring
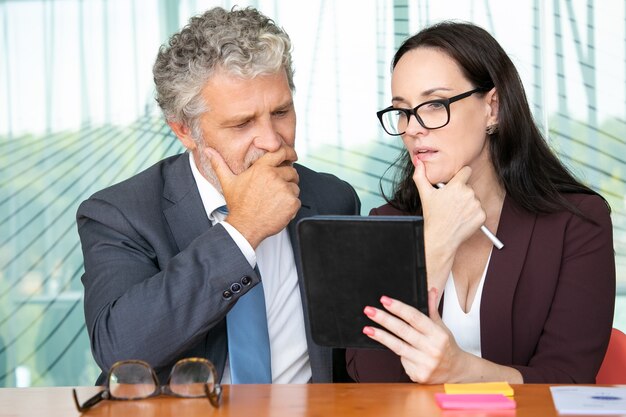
491, 129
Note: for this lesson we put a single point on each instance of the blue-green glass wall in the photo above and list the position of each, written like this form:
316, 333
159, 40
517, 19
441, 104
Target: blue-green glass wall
77, 114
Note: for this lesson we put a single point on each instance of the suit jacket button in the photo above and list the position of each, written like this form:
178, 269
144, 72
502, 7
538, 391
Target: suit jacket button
236, 287
227, 295
246, 280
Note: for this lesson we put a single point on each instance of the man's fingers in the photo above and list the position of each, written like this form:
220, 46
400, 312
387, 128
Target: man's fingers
220, 167
284, 156
295, 190
289, 174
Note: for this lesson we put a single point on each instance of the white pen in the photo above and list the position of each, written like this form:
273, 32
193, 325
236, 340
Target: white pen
496, 242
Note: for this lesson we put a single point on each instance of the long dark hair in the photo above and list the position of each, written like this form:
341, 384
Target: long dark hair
530, 172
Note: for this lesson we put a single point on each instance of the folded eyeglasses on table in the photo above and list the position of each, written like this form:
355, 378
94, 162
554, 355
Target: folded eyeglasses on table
136, 380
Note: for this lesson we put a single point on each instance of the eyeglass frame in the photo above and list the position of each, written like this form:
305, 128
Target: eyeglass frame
413, 112
214, 396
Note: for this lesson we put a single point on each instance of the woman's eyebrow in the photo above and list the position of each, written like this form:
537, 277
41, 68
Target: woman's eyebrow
424, 93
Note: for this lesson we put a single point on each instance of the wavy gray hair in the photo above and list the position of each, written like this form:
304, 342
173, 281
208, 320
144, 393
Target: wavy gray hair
243, 42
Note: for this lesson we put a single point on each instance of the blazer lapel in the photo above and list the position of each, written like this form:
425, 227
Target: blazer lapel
184, 211
515, 230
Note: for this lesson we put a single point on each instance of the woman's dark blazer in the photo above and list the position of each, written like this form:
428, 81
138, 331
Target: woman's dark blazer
548, 297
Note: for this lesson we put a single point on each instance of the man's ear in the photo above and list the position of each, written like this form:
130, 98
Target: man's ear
183, 133
494, 106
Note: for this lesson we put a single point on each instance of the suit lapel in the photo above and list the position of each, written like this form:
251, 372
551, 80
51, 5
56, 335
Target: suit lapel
184, 211
321, 358
305, 211
515, 230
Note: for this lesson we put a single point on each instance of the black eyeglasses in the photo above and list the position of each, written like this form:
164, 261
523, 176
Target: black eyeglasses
135, 380
432, 114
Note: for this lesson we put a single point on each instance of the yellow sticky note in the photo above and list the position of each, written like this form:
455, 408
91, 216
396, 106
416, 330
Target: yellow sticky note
480, 388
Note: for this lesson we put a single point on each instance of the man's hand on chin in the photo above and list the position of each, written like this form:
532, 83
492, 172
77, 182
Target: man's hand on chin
263, 199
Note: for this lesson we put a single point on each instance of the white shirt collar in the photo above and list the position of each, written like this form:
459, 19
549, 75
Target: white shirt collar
211, 198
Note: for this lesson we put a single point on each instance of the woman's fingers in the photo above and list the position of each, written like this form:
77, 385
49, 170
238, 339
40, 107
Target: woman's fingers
433, 305
416, 361
424, 187
404, 322
409, 314
429, 335
396, 326
462, 176
395, 344
423, 343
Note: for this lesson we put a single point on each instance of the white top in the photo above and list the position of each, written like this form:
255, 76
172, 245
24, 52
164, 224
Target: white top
464, 326
285, 316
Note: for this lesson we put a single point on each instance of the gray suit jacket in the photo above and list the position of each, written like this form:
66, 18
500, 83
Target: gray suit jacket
155, 269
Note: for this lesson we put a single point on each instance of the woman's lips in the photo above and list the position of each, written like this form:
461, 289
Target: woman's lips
424, 154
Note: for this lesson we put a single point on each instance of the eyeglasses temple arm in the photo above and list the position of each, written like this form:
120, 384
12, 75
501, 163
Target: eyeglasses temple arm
214, 397
90, 402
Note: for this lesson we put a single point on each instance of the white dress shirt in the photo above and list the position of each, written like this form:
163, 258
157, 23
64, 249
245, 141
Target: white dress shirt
285, 316
464, 326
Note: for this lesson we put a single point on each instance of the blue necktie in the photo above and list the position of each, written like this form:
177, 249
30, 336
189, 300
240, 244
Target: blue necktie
248, 340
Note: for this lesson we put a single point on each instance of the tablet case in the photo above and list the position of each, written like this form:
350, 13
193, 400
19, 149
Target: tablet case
349, 262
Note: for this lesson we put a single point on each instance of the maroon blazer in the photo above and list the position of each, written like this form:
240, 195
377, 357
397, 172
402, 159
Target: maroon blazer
547, 302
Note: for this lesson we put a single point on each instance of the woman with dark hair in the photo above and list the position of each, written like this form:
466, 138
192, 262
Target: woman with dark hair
541, 308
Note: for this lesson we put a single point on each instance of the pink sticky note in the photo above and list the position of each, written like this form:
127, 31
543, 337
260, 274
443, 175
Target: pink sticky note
474, 402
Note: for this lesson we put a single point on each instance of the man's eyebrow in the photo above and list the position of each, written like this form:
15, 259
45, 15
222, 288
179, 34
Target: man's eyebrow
284, 106
237, 119
244, 117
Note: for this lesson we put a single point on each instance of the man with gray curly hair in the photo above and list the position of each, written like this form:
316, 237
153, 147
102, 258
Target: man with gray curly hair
174, 255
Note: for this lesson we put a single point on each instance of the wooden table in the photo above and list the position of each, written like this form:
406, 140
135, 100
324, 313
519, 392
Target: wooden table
320, 400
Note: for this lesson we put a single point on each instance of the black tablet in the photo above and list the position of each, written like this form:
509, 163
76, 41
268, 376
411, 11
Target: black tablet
349, 262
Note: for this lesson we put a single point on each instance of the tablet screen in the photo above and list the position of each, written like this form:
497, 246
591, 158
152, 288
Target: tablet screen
349, 262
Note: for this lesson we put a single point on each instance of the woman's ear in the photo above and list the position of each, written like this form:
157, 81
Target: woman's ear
494, 106
183, 133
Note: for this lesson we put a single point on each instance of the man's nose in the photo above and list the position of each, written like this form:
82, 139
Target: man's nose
268, 138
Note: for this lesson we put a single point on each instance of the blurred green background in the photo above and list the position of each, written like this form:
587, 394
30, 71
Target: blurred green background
77, 113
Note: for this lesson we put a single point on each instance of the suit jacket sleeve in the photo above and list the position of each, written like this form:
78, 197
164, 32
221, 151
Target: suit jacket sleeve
139, 305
